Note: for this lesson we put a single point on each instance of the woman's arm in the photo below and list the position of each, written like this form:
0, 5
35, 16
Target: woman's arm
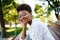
23, 31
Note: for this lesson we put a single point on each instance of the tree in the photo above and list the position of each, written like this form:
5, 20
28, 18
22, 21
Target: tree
54, 4
40, 12
5, 7
2, 21
9, 10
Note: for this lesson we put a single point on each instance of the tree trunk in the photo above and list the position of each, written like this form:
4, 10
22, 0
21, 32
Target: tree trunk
2, 21
56, 12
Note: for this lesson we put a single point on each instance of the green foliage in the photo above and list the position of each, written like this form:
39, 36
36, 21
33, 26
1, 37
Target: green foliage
37, 7
54, 3
40, 12
12, 33
18, 30
9, 10
6, 2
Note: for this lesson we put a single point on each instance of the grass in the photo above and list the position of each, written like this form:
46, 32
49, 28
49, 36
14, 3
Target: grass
11, 31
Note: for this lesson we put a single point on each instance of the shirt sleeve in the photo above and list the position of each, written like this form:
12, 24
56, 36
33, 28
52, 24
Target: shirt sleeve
27, 37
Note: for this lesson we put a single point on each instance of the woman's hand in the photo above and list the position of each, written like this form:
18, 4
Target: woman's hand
23, 30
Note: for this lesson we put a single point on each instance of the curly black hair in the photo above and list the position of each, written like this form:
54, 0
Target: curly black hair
24, 7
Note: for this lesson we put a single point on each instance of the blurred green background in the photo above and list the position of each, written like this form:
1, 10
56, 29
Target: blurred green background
9, 25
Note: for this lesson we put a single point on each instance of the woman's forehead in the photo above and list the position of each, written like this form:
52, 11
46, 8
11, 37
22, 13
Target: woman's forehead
23, 11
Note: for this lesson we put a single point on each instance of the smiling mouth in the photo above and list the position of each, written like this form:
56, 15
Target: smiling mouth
23, 20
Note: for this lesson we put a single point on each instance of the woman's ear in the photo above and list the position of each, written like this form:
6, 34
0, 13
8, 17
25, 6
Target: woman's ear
31, 13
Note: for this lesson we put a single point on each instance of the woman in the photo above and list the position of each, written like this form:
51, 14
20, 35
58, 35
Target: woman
37, 30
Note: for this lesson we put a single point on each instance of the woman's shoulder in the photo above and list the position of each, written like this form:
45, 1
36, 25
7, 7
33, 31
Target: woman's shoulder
37, 21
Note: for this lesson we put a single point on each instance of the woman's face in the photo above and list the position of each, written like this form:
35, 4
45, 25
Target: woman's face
25, 16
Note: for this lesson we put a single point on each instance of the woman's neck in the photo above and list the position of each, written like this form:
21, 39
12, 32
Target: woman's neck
30, 22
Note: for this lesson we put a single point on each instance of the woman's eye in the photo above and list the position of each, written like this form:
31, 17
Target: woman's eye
24, 14
20, 16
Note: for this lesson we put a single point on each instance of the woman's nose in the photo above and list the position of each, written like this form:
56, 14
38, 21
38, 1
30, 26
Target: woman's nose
22, 18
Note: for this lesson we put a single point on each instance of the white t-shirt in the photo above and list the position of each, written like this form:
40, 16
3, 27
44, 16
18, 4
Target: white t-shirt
38, 31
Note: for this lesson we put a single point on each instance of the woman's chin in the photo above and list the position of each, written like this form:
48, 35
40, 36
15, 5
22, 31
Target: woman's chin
25, 22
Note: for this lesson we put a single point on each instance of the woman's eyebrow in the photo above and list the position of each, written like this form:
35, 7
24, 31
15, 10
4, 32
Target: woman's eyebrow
20, 13
24, 12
